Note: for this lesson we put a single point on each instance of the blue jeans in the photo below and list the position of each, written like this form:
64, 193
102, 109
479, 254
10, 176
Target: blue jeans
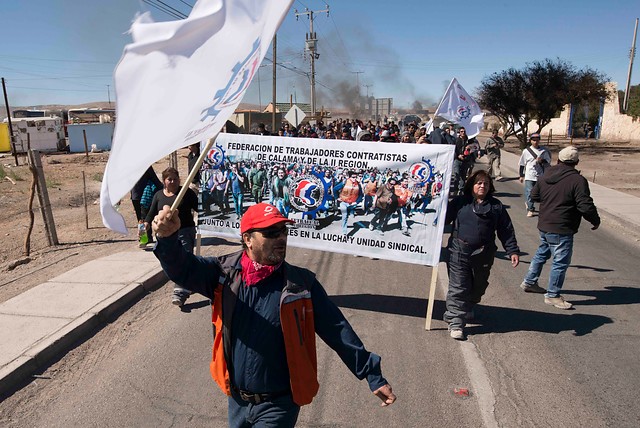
528, 185
237, 203
346, 209
282, 412
560, 248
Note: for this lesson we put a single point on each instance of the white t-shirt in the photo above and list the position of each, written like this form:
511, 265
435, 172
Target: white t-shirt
532, 169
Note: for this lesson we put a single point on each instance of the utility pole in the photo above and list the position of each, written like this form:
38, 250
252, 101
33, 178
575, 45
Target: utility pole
368, 104
6, 104
273, 103
109, 95
359, 102
310, 45
632, 54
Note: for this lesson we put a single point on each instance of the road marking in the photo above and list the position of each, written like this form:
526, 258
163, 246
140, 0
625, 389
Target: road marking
480, 383
478, 375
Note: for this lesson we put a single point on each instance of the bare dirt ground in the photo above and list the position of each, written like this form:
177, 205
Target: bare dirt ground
614, 165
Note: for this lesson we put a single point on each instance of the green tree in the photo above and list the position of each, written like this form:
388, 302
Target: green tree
633, 107
538, 92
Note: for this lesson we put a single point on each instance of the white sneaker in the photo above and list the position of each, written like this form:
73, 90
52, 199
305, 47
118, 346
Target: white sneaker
529, 213
456, 334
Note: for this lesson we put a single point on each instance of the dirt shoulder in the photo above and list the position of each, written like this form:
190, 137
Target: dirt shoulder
616, 166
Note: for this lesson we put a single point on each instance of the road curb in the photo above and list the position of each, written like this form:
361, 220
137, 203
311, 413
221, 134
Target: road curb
17, 373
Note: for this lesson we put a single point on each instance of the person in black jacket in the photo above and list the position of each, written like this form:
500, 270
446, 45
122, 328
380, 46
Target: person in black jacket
476, 216
564, 200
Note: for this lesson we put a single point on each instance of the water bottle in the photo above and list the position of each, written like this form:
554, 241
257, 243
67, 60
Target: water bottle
142, 234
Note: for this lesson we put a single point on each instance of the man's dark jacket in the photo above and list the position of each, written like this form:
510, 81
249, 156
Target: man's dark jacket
564, 199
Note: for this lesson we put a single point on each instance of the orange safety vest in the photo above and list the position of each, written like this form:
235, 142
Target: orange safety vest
349, 192
403, 195
296, 318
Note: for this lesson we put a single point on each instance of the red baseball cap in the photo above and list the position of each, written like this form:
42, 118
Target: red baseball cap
261, 216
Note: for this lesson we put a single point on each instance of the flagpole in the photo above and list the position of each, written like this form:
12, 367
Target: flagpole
442, 100
192, 174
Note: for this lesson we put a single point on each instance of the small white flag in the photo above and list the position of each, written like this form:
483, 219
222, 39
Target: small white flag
458, 107
179, 82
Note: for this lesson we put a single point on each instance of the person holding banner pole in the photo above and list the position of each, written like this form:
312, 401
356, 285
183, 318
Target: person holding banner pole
477, 217
265, 315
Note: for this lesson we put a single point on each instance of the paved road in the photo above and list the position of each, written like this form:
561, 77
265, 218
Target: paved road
525, 363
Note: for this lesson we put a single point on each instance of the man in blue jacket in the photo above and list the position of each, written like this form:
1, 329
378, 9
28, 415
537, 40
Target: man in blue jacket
266, 313
564, 200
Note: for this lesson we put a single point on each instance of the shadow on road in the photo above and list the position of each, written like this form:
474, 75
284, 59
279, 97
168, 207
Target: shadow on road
490, 319
397, 305
506, 320
611, 295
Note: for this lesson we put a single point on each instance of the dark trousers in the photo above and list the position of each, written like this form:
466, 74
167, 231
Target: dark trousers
468, 279
282, 412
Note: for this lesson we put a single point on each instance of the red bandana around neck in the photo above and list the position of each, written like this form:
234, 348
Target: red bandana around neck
254, 272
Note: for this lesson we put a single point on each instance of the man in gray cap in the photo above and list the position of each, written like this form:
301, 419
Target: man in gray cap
564, 200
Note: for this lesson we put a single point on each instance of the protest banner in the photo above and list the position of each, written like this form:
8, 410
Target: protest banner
331, 211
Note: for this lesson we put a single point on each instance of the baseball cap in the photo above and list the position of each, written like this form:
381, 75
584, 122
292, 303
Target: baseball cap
261, 216
568, 155
535, 136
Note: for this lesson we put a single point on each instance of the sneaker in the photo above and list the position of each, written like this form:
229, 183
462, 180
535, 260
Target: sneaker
535, 288
406, 233
558, 302
499, 178
529, 213
456, 334
178, 300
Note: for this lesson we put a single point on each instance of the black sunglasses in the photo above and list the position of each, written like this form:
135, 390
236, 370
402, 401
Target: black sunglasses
273, 232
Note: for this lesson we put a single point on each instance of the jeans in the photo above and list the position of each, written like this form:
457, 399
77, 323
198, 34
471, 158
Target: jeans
528, 185
282, 412
346, 209
187, 237
280, 204
555, 245
238, 198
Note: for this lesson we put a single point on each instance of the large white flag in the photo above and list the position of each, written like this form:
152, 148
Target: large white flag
458, 107
178, 83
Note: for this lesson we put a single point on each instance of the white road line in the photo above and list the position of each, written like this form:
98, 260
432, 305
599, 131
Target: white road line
478, 375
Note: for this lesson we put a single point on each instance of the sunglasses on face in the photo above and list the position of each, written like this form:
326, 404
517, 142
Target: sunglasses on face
273, 232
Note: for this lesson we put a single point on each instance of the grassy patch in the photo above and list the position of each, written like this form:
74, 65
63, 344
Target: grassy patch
10, 173
97, 176
52, 183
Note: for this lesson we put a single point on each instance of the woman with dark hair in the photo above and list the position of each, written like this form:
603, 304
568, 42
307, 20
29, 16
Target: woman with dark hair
187, 232
476, 216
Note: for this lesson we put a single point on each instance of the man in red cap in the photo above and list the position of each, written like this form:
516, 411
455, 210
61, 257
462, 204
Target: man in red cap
266, 313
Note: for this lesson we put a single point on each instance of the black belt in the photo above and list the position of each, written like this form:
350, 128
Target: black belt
254, 398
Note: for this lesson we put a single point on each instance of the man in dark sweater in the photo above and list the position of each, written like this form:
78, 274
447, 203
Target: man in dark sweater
564, 200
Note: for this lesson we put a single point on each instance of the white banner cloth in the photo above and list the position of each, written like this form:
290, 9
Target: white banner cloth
178, 83
411, 233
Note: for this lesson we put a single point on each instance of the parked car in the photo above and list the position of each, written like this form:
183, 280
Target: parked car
407, 119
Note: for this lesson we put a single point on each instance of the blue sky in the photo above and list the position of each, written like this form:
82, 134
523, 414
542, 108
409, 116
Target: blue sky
64, 52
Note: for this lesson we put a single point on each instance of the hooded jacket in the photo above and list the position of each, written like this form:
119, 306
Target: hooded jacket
564, 199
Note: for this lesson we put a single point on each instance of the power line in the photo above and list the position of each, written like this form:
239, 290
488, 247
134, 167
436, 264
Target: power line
168, 11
